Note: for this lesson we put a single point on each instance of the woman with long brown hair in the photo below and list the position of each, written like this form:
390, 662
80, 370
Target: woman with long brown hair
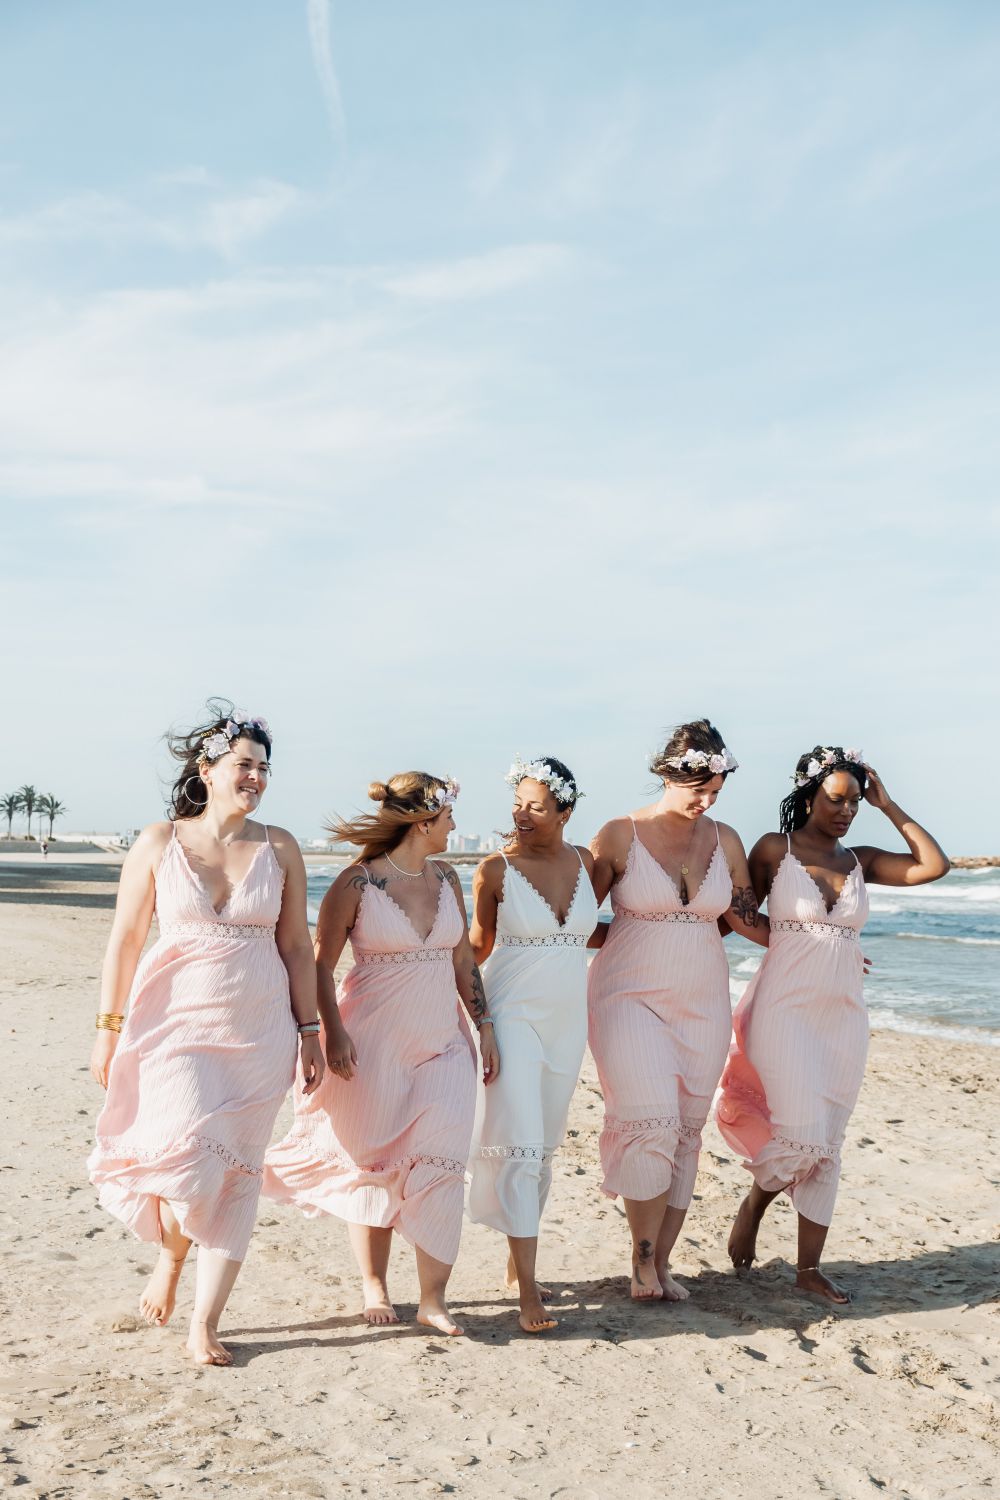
384, 1142
197, 1068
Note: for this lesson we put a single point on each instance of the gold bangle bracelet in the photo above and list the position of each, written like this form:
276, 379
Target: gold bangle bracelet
107, 1021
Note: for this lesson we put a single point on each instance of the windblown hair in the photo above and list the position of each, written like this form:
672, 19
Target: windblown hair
792, 812
189, 794
560, 767
402, 803
699, 734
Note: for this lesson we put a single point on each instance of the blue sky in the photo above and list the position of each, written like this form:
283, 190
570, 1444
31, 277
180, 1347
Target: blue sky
451, 380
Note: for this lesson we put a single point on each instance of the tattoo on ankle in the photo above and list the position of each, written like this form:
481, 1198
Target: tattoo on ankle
644, 1250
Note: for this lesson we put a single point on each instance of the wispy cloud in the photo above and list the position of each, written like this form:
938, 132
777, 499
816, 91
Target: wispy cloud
482, 275
318, 17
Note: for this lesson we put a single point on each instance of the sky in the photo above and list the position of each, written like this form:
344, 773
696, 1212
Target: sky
456, 380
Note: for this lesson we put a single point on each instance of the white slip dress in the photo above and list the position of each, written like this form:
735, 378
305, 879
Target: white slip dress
536, 987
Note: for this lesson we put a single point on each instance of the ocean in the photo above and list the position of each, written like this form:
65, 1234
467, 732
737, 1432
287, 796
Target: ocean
935, 952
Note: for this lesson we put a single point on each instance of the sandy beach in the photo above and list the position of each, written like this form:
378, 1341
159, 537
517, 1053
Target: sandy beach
745, 1390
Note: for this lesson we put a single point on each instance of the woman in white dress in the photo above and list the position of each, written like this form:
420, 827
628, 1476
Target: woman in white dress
534, 910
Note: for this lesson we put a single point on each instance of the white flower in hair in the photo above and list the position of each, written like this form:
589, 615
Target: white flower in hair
539, 770
857, 756
214, 746
813, 768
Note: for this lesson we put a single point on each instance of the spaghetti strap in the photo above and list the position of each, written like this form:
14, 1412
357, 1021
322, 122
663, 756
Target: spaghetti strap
579, 857
267, 834
718, 835
788, 838
504, 858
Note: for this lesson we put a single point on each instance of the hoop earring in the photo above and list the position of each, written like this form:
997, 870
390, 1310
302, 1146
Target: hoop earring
187, 794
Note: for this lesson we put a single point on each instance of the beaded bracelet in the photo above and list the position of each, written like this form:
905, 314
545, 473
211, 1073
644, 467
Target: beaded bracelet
308, 1028
486, 1021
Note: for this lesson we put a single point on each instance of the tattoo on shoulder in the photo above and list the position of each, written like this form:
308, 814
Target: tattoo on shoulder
361, 880
744, 905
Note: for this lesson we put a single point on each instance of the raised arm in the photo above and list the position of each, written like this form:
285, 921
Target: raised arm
926, 860
744, 914
487, 885
129, 931
469, 983
338, 913
296, 949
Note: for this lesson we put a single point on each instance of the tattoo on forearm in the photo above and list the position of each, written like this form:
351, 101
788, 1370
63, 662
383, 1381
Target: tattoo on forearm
478, 1008
745, 905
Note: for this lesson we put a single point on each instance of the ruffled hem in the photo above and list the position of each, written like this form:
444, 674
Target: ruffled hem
410, 1194
639, 1157
212, 1190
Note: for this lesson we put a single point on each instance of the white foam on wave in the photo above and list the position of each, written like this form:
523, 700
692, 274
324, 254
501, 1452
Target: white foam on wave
891, 1020
941, 937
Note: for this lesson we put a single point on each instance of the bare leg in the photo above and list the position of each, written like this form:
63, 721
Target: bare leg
673, 1218
812, 1238
511, 1279
534, 1316
371, 1248
216, 1279
743, 1235
433, 1310
160, 1293
645, 1220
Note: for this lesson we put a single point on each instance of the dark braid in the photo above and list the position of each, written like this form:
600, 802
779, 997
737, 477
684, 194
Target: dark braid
792, 813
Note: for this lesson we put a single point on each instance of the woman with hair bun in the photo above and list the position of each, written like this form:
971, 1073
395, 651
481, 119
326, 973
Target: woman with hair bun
198, 1067
660, 1016
531, 920
383, 1143
801, 1028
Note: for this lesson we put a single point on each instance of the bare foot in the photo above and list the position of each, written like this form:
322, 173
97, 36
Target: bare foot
743, 1236
672, 1290
815, 1284
534, 1316
204, 1347
433, 1313
645, 1285
160, 1293
378, 1310
511, 1282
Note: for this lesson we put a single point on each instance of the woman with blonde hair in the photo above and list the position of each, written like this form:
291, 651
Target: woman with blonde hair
198, 1067
384, 1142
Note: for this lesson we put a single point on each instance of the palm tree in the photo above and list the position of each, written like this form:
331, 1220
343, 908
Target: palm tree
9, 807
49, 808
29, 801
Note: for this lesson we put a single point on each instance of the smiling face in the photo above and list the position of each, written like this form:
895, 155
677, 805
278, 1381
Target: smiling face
689, 799
238, 780
835, 804
537, 814
438, 830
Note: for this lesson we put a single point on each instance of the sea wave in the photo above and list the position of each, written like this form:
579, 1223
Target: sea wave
941, 937
886, 1019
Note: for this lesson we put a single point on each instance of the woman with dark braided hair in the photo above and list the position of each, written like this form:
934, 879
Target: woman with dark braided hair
801, 1029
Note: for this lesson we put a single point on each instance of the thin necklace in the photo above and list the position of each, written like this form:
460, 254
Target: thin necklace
410, 874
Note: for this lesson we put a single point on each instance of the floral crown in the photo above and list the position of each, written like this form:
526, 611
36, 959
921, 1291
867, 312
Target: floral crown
828, 756
701, 760
561, 787
440, 797
218, 742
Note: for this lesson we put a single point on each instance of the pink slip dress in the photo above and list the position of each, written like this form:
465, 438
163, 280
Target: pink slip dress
388, 1147
205, 1057
801, 1042
660, 1025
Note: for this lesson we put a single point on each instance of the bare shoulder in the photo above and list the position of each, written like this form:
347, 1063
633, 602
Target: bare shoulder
588, 859
284, 844
151, 842
615, 836
770, 848
447, 872
728, 837
489, 872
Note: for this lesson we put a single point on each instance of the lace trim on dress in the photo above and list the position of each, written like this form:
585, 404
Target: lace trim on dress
789, 924
688, 1128
371, 960
554, 940
806, 1148
341, 1159
664, 916
196, 929
120, 1146
516, 1153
